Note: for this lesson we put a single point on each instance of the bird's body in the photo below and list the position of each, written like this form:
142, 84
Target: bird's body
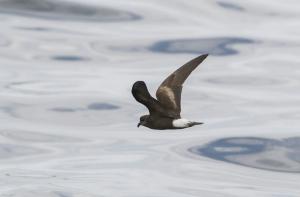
165, 110
161, 122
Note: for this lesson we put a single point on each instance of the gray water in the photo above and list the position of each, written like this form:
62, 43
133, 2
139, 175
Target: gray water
68, 119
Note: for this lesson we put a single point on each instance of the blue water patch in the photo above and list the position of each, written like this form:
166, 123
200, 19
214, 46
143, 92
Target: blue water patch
65, 109
36, 137
64, 10
102, 106
62, 194
248, 80
230, 6
269, 154
218, 46
13, 150
69, 58
92, 106
34, 28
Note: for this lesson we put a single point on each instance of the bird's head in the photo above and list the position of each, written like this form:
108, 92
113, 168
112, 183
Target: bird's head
143, 120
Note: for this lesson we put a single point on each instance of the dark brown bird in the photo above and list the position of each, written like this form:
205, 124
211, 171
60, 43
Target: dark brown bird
164, 112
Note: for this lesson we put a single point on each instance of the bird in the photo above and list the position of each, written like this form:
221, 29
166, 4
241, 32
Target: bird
164, 112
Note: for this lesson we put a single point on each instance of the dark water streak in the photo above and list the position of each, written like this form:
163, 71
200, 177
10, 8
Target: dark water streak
230, 6
218, 46
230, 149
64, 10
92, 106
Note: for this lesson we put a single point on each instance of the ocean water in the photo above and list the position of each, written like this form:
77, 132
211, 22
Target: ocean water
68, 119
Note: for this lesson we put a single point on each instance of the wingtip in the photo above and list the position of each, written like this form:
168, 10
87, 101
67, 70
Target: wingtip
205, 55
201, 57
138, 84
198, 60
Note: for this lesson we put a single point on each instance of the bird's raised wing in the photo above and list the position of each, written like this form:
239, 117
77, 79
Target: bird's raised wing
141, 94
169, 92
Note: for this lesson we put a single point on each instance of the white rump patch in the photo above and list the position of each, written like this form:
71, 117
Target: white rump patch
181, 123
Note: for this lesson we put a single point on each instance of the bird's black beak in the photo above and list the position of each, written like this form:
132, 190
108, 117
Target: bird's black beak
139, 124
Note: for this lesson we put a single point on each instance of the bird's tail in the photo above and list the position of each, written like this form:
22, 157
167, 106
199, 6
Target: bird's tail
195, 123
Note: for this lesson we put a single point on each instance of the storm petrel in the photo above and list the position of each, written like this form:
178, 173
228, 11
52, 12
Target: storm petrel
165, 111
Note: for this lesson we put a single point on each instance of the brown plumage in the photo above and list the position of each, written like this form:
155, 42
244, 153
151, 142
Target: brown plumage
166, 109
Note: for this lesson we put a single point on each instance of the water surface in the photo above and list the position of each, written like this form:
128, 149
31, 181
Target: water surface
68, 119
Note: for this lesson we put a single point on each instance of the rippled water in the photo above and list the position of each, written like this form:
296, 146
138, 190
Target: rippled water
68, 120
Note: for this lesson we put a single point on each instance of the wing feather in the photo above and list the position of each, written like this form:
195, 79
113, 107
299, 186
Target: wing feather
169, 92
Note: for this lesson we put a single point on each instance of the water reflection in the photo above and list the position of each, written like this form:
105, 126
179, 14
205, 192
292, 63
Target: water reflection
230, 6
34, 28
69, 58
4, 42
245, 80
102, 106
8, 151
65, 109
269, 154
214, 46
92, 106
36, 137
47, 192
64, 10
64, 127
